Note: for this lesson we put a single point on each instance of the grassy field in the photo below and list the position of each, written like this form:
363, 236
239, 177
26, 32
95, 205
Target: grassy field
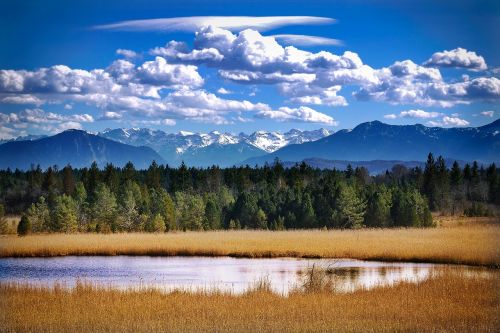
446, 303
457, 243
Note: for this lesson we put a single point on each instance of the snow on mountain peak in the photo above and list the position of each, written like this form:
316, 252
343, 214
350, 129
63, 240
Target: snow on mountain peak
185, 140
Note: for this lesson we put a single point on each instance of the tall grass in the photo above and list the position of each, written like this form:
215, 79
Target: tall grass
444, 303
467, 244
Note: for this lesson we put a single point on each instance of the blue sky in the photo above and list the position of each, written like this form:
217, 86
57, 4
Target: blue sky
401, 62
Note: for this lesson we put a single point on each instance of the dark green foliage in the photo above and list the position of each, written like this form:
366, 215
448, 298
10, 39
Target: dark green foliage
270, 197
24, 226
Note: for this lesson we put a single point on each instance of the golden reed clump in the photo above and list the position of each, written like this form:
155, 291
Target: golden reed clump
445, 303
475, 244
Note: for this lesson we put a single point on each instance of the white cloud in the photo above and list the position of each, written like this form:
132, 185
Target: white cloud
488, 113
306, 40
224, 91
159, 72
128, 54
22, 99
42, 120
458, 58
7, 133
111, 115
300, 114
233, 23
449, 121
420, 114
408, 83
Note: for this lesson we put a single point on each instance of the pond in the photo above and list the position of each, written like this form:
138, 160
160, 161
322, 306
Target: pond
234, 275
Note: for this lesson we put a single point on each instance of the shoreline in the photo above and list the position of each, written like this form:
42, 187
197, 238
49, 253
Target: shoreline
474, 245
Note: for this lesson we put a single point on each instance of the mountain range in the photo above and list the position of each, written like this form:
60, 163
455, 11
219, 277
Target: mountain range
378, 141
205, 149
379, 145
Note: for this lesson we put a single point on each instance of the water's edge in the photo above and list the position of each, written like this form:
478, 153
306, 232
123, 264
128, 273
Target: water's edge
226, 273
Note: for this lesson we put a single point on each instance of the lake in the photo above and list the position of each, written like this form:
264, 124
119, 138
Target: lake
234, 275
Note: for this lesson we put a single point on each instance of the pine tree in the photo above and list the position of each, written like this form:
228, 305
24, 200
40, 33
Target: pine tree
68, 180
24, 226
378, 211
430, 183
104, 209
64, 215
350, 208
39, 216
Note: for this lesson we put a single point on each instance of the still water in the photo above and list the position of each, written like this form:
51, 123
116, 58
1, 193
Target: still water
224, 273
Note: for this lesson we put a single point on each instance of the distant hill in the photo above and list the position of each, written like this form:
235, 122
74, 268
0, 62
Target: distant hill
378, 141
75, 147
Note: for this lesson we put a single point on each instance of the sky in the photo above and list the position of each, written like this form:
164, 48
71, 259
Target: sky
242, 66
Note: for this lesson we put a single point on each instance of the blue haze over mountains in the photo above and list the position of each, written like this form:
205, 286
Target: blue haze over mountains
377, 145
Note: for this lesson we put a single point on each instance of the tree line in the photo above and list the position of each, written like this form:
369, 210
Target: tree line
272, 197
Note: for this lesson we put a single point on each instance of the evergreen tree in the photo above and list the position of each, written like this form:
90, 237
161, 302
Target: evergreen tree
153, 176
104, 209
212, 215
39, 216
261, 219
24, 226
156, 224
64, 215
350, 208
430, 182
378, 210
68, 180
81, 207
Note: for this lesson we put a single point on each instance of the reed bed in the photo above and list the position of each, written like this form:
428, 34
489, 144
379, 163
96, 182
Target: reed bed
467, 244
443, 303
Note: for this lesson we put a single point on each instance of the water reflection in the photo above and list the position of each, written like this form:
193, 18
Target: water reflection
224, 273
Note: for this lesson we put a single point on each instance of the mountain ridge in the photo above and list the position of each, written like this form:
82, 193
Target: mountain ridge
379, 141
75, 147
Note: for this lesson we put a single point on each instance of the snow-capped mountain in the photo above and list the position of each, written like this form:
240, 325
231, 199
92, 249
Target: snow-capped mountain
207, 148
183, 140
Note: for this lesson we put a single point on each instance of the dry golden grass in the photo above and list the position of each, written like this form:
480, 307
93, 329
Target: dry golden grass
12, 222
467, 244
453, 221
447, 303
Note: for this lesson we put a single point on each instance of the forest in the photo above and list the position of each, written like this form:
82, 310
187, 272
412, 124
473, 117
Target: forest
272, 197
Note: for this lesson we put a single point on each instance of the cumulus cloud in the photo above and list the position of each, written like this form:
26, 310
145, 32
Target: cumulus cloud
194, 23
128, 54
301, 114
420, 114
224, 91
248, 57
306, 40
449, 121
111, 115
42, 120
161, 73
169, 86
408, 83
458, 58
